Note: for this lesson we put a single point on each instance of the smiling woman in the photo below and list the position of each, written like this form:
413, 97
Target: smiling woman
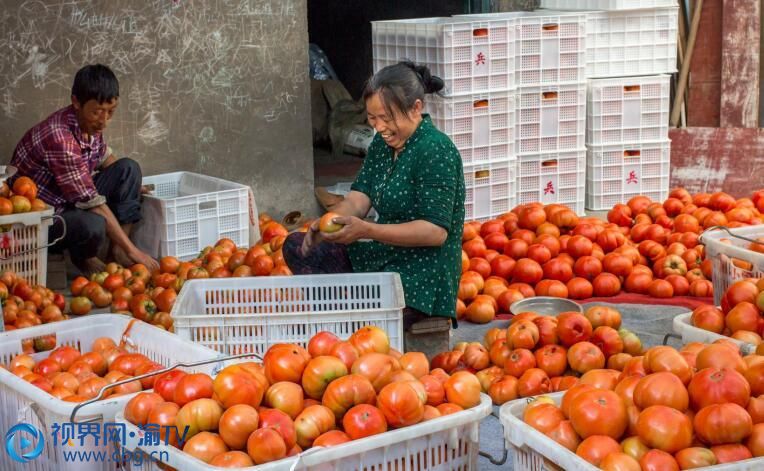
413, 177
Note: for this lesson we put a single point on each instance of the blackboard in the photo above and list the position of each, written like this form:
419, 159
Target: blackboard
212, 86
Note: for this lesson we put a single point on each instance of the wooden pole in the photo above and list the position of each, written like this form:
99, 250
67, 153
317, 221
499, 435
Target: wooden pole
685, 72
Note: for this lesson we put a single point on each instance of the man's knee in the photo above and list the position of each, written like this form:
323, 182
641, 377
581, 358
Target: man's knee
92, 228
129, 168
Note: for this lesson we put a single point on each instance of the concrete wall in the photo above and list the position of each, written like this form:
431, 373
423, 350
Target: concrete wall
219, 88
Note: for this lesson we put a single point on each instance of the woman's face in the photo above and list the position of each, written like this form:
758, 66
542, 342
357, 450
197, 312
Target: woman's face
396, 129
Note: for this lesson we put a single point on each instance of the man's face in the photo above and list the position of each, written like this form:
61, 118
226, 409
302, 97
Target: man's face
93, 116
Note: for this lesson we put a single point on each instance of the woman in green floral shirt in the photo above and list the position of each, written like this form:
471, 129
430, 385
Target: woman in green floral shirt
413, 177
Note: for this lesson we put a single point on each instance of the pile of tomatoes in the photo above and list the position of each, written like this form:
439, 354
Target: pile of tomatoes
22, 198
541, 354
72, 376
740, 316
25, 305
644, 247
333, 392
665, 410
150, 296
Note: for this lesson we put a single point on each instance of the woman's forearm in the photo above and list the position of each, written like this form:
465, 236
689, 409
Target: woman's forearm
417, 233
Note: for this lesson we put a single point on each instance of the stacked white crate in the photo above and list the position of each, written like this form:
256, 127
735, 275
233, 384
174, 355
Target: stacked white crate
477, 109
630, 44
550, 59
551, 110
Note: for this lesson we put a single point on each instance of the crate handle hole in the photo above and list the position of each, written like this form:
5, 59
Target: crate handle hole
549, 95
629, 154
550, 27
207, 205
480, 104
631, 88
46, 343
482, 173
549, 163
480, 32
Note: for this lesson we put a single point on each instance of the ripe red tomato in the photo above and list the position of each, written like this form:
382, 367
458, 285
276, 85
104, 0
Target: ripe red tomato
533, 382
331, 438
664, 428
715, 386
661, 388
463, 389
199, 415
191, 387
313, 422
718, 424
322, 343
233, 386
595, 448
265, 445
543, 417
348, 391
138, 408
236, 425
364, 420
585, 356
572, 328
285, 362
165, 384
598, 412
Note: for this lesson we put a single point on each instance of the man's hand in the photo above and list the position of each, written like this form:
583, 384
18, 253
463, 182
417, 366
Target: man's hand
146, 189
353, 230
140, 257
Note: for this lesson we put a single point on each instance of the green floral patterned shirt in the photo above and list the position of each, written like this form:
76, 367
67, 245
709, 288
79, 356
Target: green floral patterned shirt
425, 182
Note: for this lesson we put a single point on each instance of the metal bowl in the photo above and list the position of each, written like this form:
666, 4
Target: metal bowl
545, 305
6, 172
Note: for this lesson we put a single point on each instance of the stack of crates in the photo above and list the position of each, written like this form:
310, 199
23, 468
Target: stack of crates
551, 109
477, 108
631, 47
550, 61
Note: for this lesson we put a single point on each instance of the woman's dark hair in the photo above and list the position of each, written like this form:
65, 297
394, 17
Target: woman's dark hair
95, 82
401, 85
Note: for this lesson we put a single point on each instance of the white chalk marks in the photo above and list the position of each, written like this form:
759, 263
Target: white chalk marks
182, 64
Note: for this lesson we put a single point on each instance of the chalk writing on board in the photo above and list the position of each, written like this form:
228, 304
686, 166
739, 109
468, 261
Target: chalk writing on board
193, 70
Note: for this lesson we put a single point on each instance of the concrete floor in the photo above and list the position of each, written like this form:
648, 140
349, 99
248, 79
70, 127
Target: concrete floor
651, 323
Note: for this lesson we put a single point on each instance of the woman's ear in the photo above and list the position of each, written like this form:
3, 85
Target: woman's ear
417, 109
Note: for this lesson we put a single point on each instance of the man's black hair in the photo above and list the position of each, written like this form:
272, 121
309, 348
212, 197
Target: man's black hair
95, 82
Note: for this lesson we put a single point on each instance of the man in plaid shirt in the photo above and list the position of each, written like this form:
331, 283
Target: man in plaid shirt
96, 194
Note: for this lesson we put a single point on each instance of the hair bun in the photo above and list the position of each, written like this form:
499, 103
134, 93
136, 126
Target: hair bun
431, 83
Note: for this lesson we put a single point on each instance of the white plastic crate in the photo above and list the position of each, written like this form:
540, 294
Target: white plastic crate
550, 47
724, 256
20, 402
689, 333
627, 110
443, 444
534, 451
490, 189
240, 315
614, 174
606, 4
187, 212
468, 55
482, 126
24, 244
631, 42
551, 119
555, 177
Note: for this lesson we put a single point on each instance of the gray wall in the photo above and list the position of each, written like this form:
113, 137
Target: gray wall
217, 87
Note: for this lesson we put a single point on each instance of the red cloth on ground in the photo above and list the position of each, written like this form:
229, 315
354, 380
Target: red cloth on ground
632, 298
